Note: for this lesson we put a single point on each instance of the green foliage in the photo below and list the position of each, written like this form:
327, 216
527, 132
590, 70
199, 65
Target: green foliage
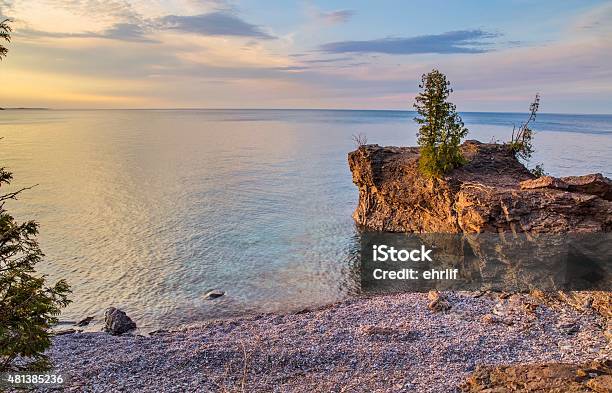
5, 34
538, 171
28, 307
441, 129
521, 143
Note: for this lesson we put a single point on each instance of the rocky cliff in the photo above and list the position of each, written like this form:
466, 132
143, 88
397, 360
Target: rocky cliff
492, 192
594, 376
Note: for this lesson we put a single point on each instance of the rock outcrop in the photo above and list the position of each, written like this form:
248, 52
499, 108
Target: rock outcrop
117, 322
492, 192
595, 376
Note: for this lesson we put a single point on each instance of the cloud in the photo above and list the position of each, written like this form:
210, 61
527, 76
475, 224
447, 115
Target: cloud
216, 5
126, 32
461, 41
119, 31
6, 6
570, 71
596, 21
214, 24
107, 10
338, 16
290, 68
333, 60
119, 20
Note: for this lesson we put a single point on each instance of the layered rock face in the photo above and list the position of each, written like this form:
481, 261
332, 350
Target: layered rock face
595, 376
492, 192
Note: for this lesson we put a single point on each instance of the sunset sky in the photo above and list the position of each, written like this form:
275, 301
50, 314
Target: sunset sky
306, 54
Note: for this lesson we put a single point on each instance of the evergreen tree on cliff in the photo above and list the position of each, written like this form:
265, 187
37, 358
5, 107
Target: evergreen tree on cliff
28, 305
441, 129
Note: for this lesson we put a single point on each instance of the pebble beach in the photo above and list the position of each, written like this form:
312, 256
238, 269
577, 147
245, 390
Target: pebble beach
387, 343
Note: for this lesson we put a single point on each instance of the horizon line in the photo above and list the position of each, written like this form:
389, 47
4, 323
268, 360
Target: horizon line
277, 109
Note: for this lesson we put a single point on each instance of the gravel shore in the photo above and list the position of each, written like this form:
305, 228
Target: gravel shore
390, 343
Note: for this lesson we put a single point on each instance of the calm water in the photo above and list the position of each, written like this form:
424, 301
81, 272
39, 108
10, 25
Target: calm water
148, 210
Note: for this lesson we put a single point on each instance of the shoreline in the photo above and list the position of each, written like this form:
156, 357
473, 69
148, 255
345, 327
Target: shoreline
385, 342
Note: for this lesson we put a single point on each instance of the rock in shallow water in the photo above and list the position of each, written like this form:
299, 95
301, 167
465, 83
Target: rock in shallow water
215, 293
117, 322
84, 322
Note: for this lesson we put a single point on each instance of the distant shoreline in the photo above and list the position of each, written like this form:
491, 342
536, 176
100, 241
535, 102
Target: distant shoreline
25, 109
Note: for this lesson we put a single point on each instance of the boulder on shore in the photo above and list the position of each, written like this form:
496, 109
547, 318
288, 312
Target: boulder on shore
117, 322
595, 376
492, 192
438, 302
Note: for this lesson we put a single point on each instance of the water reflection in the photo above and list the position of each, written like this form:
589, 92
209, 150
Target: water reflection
148, 210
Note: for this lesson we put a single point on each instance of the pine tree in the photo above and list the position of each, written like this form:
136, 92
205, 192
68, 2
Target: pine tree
441, 128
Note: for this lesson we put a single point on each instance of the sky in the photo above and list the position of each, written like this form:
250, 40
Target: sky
306, 54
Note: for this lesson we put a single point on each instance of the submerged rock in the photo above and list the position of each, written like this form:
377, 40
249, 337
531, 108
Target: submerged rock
117, 322
214, 294
493, 192
84, 322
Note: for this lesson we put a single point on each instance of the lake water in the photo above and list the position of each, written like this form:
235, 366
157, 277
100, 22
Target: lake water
148, 210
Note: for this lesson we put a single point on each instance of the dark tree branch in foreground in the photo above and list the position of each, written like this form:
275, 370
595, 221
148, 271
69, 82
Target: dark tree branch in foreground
28, 305
5, 34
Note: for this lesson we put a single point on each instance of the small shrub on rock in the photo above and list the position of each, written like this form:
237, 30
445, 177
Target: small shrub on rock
521, 142
538, 171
